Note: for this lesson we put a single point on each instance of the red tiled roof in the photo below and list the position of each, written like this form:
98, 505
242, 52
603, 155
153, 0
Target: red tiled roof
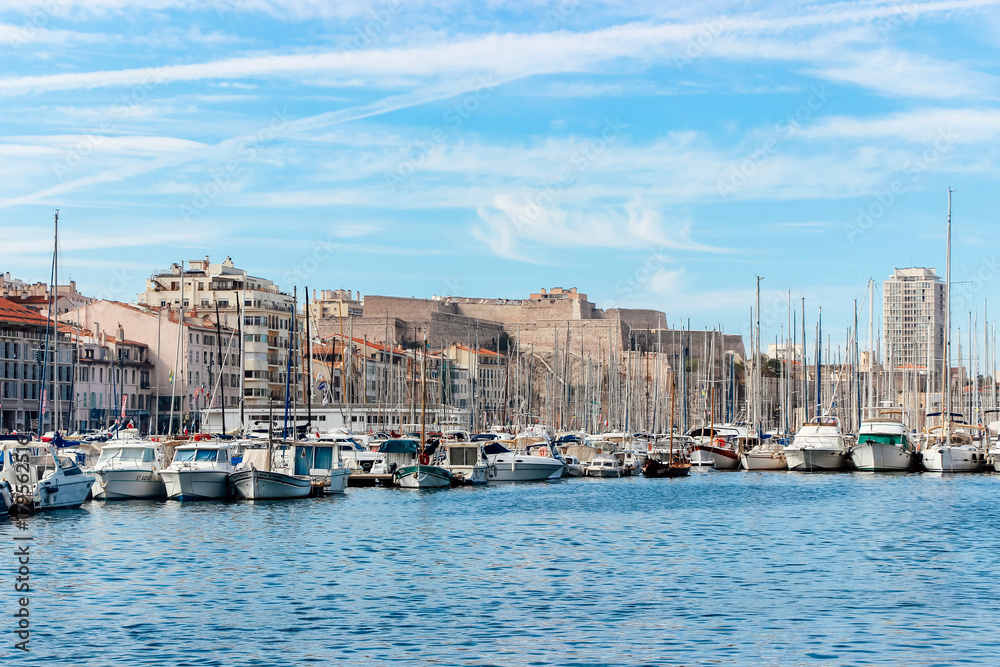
15, 313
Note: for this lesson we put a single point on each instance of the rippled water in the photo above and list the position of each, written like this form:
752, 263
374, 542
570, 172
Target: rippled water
718, 568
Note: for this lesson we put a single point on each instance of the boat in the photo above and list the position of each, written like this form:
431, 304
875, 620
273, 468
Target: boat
604, 465
950, 448
656, 468
819, 445
883, 445
953, 452
129, 470
518, 467
572, 466
409, 465
199, 471
265, 474
766, 455
321, 462
6, 498
994, 454
467, 463
715, 446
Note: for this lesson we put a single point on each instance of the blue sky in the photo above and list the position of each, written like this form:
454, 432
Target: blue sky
652, 154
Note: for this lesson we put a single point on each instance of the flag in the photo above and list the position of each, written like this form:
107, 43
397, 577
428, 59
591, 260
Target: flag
45, 396
170, 378
124, 403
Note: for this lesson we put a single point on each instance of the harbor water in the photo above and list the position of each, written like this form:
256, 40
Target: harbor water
718, 568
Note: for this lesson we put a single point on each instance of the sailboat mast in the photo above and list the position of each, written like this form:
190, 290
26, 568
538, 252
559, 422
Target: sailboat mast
54, 315
946, 375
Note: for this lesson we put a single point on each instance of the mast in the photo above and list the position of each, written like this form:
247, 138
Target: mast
423, 395
309, 367
946, 375
54, 315
222, 365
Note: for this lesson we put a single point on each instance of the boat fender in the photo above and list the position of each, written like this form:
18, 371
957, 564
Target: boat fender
424, 459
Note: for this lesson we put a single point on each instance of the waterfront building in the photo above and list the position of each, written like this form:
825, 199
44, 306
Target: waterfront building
111, 381
27, 340
189, 373
913, 319
254, 305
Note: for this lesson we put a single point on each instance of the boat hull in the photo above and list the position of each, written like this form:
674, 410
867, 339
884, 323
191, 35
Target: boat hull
952, 459
334, 480
995, 458
422, 477
815, 460
132, 484
476, 475
525, 469
63, 493
266, 485
606, 473
188, 485
764, 461
881, 457
722, 458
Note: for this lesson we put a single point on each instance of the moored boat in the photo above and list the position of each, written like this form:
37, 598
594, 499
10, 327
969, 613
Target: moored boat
883, 444
199, 471
818, 446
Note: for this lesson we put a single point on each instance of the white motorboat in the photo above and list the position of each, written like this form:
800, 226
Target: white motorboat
818, 446
994, 454
265, 474
517, 467
768, 455
65, 486
572, 466
467, 463
631, 461
129, 470
883, 445
604, 465
322, 463
199, 471
958, 454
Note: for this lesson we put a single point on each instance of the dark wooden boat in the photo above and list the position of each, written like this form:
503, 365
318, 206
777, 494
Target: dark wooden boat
677, 468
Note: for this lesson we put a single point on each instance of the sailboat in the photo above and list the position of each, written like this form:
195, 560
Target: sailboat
416, 473
66, 485
266, 474
952, 449
757, 453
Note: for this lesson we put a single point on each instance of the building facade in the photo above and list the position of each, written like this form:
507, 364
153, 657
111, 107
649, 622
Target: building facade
913, 319
256, 306
27, 346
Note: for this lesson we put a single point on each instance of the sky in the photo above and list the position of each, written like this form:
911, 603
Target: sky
652, 154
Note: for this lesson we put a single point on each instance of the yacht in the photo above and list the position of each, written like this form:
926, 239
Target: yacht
994, 454
604, 465
516, 467
265, 474
765, 454
883, 445
819, 445
129, 470
199, 471
467, 463
956, 453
